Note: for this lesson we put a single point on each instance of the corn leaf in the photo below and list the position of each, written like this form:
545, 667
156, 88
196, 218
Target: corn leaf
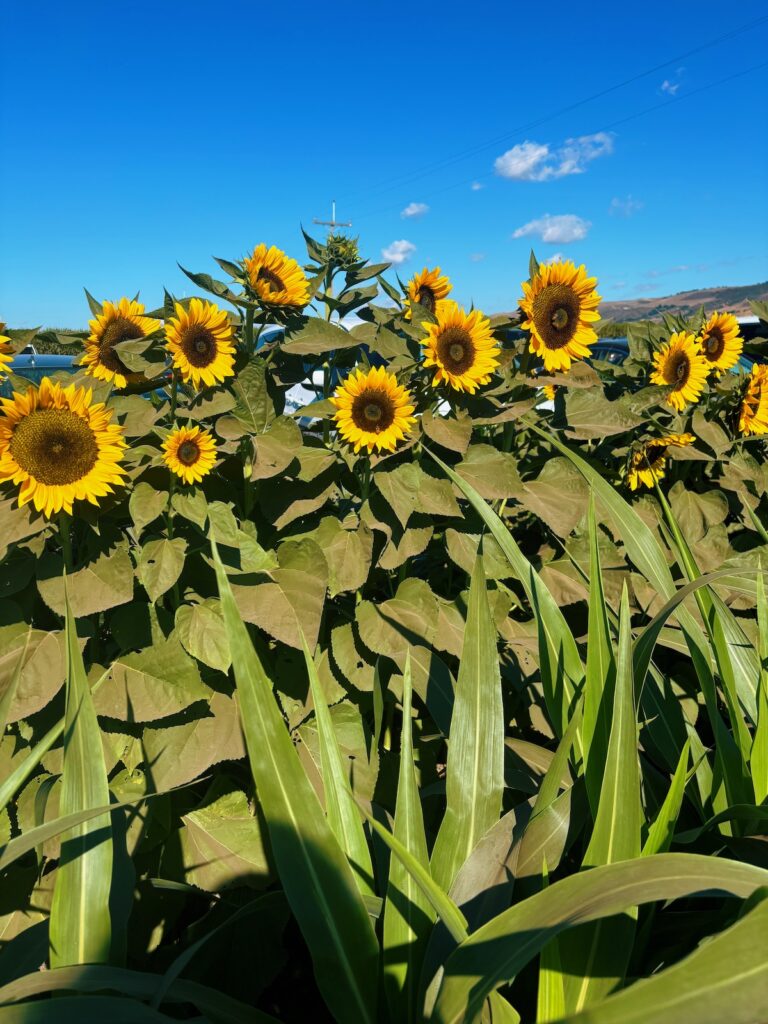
562, 671
663, 828
595, 956
408, 914
318, 881
80, 929
475, 769
759, 752
601, 669
725, 979
339, 806
496, 952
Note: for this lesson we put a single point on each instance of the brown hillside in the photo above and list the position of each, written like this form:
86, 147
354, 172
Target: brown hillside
727, 299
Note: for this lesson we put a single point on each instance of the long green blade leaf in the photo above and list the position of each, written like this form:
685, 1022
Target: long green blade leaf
663, 829
595, 957
725, 979
562, 670
759, 752
315, 874
339, 806
496, 952
408, 914
475, 772
80, 929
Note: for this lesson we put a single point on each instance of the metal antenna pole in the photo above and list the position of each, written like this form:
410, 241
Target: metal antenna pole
333, 223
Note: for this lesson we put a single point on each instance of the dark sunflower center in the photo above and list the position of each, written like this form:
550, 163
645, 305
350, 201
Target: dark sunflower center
199, 345
556, 312
680, 371
426, 298
456, 350
373, 411
55, 446
714, 345
270, 279
117, 330
188, 453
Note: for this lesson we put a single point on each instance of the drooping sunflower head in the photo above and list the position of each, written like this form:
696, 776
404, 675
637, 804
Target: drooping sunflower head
426, 288
6, 352
648, 463
200, 342
190, 453
59, 446
720, 342
373, 410
118, 321
560, 305
680, 365
276, 279
753, 413
461, 347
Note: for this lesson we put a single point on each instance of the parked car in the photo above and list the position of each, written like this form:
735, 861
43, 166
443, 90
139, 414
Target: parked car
34, 366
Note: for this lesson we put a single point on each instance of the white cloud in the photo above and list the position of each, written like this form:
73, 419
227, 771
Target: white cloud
477, 257
624, 207
415, 210
555, 258
669, 87
476, 186
535, 161
399, 252
559, 229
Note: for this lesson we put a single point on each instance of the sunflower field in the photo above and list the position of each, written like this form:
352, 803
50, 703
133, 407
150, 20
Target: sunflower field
439, 693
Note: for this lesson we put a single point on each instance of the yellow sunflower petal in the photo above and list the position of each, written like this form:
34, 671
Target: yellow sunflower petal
373, 411
560, 304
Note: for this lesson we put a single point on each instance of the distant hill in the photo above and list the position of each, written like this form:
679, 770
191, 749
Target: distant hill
730, 300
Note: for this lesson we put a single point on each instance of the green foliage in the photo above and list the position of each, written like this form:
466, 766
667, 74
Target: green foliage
470, 717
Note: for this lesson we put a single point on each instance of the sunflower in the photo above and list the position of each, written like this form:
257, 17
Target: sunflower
6, 352
753, 414
427, 289
200, 342
720, 342
648, 464
460, 346
190, 453
681, 365
277, 279
59, 445
560, 304
121, 321
373, 410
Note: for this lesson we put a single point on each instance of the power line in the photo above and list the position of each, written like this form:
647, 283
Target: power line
607, 127
401, 180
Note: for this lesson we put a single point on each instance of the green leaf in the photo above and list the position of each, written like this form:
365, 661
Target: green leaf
601, 670
408, 914
340, 806
160, 564
93, 304
154, 683
6, 702
759, 754
595, 956
662, 830
496, 952
316, 336
217, 1007
725, 979
253, 408
80, 928
561, 667
317, 879
475, 770
146, 504
202, 633
98, 586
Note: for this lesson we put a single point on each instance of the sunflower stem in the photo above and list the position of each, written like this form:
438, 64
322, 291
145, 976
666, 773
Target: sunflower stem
174, 395
248, 333
65, 525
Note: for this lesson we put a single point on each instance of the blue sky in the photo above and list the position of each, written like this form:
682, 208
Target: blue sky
135, 135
